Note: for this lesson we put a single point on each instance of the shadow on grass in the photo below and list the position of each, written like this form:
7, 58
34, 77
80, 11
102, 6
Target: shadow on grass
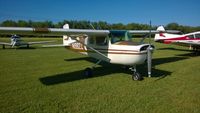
19, 48
174, 49
26, 48
79, 75
108, 69
191, 52
160, 74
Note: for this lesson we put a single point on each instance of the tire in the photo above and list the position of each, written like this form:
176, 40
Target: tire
137, 77
88, 72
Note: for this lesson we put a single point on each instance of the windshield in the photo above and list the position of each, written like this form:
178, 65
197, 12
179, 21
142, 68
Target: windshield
117, 36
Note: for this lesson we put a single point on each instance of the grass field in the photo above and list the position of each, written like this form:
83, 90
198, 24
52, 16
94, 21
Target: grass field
49, 80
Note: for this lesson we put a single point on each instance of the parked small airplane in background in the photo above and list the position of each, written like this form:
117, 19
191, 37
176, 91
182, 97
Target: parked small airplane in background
112, 46
15, 41
191, 39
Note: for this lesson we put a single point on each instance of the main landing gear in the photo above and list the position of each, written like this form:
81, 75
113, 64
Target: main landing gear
88, 71
3, 46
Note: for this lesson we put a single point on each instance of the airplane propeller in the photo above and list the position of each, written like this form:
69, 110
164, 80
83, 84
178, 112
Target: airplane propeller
13, 44
149, 54
149, 59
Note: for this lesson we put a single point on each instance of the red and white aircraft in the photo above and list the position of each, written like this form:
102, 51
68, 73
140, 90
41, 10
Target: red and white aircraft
112, 46
191, 39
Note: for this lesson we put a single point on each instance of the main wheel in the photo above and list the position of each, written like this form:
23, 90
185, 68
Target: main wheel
3, 46
88, 72
136, 76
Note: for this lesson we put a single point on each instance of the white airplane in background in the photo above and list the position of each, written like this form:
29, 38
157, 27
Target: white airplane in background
191, 39
16, 41
112, 46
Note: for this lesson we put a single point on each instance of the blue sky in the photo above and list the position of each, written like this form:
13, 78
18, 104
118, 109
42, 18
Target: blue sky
160, 12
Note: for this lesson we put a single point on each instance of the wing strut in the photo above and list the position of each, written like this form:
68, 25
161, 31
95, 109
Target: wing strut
107, 59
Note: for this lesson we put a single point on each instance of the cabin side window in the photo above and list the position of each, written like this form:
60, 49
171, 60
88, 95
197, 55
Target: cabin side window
197, 35
101, 40
117, 36
98, 40
91, 40
191, 36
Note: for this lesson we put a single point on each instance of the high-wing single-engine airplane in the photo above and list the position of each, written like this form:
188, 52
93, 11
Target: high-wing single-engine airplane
112, 46
191, 39
16, 41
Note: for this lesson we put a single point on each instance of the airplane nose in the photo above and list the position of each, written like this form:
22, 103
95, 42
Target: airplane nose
144, 48
149, 49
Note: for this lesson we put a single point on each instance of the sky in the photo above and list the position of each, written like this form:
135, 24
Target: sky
159, 12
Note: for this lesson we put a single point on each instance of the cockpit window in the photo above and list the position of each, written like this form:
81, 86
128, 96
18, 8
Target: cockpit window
197, 35
101, 41
117, 36
91, 40
191, 36
98, 40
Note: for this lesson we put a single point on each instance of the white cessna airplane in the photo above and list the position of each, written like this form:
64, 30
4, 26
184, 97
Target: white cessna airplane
112, 46
191, 39
15, 41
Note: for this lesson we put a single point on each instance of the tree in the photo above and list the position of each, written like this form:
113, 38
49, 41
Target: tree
84, 24
173, 26
9, 23
22, 23
118, 26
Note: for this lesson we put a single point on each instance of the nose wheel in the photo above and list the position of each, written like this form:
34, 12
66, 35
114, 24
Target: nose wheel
135, 75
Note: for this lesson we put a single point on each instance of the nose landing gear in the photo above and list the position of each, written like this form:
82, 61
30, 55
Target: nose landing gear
135, 75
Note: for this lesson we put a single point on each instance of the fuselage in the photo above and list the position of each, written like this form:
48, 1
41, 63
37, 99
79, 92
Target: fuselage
170, 38
115, 49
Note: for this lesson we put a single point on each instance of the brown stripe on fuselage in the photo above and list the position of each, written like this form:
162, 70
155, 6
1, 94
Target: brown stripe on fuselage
106, 51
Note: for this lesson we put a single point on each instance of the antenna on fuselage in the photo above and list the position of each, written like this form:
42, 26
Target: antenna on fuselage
92, 26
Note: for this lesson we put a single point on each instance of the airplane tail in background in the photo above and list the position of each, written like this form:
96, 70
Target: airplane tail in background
66, 39
162, 36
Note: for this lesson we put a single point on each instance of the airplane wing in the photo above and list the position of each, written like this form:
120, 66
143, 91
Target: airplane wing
61, 32
152, 31
4, 43
51, 31
54, 45
40, 42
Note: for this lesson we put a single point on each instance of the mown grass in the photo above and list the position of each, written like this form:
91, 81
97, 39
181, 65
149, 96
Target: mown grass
49, 80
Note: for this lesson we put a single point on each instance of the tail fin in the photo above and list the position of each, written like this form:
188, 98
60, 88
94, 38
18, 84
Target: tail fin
66, 26
161, 29
161, 35
66, 39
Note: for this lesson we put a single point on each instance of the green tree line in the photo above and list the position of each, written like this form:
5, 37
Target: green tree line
83, 24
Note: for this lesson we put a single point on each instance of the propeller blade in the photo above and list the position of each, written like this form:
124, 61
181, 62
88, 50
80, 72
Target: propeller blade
149, 53
13, 44
149, 59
